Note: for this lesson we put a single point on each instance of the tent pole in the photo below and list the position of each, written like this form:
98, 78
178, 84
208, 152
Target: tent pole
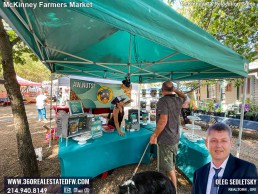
241, 119
181, 72
50, 110
16, 13
85, 63
76, 70
77, 57
156, 62
130, 50
166, 57
207, 71
143, 68
139, 102
172, 61
220, 98
149, 71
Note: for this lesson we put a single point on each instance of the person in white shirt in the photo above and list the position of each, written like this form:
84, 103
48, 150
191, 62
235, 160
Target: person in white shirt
223, 165
40, 105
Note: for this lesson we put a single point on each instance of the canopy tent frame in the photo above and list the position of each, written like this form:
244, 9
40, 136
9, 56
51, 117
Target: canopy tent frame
140, 68
31, 29
86, 60
50, 62
198, 73
120, 64
76, 70
129, 55
133, 73
27, 26
182, 72
37, 41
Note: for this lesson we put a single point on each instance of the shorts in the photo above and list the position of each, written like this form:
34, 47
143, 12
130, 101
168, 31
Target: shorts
167, 157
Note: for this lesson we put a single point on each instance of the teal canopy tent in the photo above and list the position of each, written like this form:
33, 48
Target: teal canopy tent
143, 39
109, 39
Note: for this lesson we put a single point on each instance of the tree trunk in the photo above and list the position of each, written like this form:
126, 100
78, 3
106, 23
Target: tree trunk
26, 153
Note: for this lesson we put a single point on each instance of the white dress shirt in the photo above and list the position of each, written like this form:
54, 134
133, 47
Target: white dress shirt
212, 173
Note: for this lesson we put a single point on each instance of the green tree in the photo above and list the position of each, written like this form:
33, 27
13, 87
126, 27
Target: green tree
26, 153
32, 70
26, 63
232, 22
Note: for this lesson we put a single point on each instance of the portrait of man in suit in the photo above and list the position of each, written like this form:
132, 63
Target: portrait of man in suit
223, 165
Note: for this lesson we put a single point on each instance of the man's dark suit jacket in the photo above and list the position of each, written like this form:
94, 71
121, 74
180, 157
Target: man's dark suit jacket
235, 169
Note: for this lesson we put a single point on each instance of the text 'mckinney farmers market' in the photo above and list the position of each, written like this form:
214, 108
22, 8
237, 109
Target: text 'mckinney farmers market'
46, 5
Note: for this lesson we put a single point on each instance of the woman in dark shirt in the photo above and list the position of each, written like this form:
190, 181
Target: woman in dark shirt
118, 113
185, 111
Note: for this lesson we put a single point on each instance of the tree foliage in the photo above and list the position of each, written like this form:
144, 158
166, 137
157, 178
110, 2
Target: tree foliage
32, 70
232, 22
26, 63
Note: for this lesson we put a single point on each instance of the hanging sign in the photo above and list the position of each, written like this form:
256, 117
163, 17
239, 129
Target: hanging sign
94, 94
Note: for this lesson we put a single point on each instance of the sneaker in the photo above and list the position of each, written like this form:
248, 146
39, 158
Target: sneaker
39, 120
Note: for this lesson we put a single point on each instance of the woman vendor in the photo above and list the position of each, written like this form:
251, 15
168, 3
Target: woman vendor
118, 113
185, 111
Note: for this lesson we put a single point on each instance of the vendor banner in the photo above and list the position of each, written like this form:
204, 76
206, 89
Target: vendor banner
95, 94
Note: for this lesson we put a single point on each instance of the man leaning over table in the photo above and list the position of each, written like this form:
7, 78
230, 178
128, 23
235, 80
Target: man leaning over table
219, 143
167, 128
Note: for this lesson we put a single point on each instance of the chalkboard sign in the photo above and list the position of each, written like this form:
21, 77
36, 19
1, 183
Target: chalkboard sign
75, 107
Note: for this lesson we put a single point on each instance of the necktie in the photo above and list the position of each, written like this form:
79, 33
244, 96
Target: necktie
214, 188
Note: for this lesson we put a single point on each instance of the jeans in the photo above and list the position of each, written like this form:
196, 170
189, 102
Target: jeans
42, 113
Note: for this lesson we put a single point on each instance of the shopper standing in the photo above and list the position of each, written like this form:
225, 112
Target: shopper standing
40, 105
167, 132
